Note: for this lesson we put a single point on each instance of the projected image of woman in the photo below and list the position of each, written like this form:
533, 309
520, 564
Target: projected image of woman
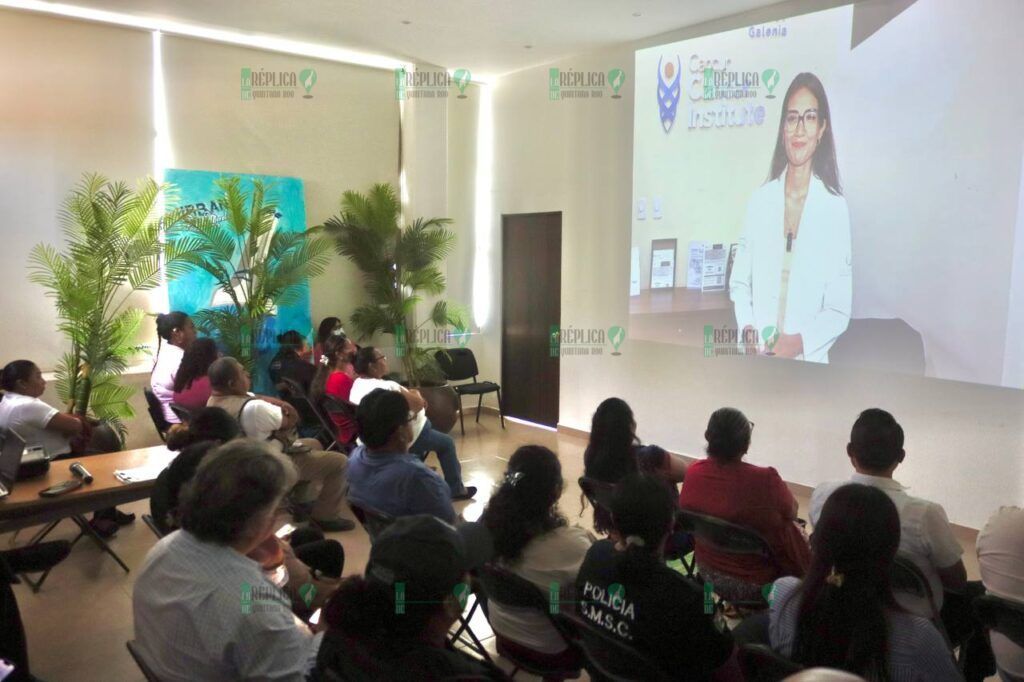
791, 282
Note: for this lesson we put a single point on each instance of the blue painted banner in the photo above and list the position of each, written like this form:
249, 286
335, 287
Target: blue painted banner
196, 290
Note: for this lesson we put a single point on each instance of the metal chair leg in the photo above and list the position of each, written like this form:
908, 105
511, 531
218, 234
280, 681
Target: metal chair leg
462, 424
88, 530
501, 410
479, 404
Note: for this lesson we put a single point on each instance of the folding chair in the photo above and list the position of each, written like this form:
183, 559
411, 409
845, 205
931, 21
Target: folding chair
459, 364
501, 586
156, 412
331, 406
373, 521
610, 659
182, 413
323, 429
727, 538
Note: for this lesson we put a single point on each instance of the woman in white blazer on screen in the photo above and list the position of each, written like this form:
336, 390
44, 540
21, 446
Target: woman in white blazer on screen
791, 279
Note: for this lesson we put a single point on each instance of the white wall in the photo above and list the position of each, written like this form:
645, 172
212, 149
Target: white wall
964, 441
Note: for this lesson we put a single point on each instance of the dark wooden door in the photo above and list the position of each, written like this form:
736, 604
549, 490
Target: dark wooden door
531, 293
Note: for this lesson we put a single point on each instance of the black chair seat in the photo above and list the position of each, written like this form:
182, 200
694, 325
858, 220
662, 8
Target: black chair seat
476, 388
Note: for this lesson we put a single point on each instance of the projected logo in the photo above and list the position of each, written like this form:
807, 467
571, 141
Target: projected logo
669, 91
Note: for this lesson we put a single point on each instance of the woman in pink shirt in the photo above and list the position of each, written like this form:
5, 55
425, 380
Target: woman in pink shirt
334, 378
191, 385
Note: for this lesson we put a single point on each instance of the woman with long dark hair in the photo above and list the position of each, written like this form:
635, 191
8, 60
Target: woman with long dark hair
625, 588
191, 385
796, 301
329, 326
843, 615
533, 540
614, 452
175, 333
334, 378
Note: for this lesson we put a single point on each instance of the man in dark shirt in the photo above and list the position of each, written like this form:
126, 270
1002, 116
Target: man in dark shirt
626, 588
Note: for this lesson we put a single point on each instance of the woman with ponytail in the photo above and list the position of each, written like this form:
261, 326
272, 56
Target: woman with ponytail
625, 588
843, 615
175, 333
334, 377
533, 540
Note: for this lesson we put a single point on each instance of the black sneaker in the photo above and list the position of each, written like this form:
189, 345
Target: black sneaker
116, 515
104, 528
335, 525
467, 493
37, 558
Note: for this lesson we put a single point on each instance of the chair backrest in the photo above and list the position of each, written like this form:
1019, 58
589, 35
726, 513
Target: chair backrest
332, 405
156, 412
1002, 615
906, 577
723, 536
598, 493
147, 672
505, 587
183, 413
761, 664
457, 363
293, 394
610, 658
372, 520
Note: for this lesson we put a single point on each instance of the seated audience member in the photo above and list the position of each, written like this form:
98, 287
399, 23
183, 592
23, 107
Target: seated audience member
371, 365
614, 452
191, 385
533, 540
292, 360
60, 434
329, 326
175, 333
625, 588
842, 614
382, 474
724, 486
203, 609
269, 419
334, 378
926, 537
392, 624
304, 557
1001, 561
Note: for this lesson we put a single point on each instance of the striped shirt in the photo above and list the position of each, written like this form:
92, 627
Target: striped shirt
205, 612
917, 652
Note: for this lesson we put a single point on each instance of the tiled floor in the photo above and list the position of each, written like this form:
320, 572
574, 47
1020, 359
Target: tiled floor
78, 624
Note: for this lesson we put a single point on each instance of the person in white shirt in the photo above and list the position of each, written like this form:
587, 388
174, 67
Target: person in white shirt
533, 540
371, 367
926, 536
273, 420
176, 333
1001, 561
791, 282
202, 609
36, 422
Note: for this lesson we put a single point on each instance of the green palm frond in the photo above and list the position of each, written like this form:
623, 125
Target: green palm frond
111, 248
399, 266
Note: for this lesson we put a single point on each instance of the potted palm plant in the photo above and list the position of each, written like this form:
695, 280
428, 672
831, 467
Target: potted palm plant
112, 249
400, 267
255, 266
